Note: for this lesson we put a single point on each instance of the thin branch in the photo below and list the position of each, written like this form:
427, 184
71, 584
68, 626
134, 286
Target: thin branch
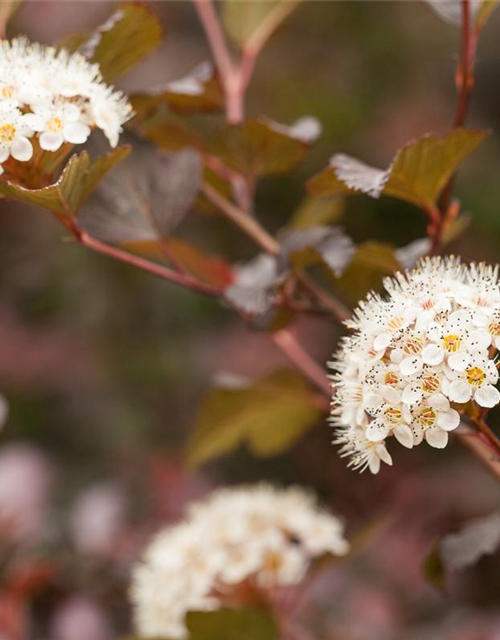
299, 357
481, 451
464, 82
216, 39
246, 223
465, 69
181, 279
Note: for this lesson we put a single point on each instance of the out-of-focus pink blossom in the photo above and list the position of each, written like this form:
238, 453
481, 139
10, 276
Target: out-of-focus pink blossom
97, 519
80, 618
25, 484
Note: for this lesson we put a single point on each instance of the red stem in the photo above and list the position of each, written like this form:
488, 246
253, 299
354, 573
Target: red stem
298, 356
181, 279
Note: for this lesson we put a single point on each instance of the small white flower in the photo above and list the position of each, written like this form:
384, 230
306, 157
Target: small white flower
58, 124
58, 95
14, 134
258, 535
431, 342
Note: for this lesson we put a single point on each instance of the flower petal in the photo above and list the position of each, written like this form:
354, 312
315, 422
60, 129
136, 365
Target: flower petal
412, 394
376, 431
404, 435
459, 391
436, 437
51, 141
459, 361
21, 149
382, 341
439, 402
448, 420
383, 454
411, 365
432, 354
76, 132
487, 396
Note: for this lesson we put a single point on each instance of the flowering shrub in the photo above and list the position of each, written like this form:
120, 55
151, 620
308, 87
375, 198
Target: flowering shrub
54, 96
268, 542
416, 359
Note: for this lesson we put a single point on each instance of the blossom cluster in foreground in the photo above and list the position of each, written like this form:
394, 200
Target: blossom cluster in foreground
53, 95
260, 537
416, 358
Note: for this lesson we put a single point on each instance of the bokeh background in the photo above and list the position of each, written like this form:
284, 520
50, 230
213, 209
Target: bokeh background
104, 368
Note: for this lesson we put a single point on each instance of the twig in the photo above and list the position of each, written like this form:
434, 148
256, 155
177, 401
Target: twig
182, 279
483, 453
246, 223
464, 81
298, 356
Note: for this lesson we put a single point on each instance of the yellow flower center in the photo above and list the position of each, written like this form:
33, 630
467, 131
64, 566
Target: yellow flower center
475, 376
426, 417
7, 91
391, 378
395, 323
7, 134
494, 328
430, 384
412, 346
452, 343
393, 415
54, 125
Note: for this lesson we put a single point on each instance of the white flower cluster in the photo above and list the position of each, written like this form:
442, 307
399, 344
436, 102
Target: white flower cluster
55, 95
416, 358
258, 536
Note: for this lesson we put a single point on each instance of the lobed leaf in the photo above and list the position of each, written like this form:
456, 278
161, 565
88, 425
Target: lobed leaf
258, 147
478, 538
77, 180
484, 12
213, 270
168, 132
417, 174
372, 262
7, 10
269, 416
329, 244
251, 23
231, 624
317, 211
146, 199
198, 92
451, 11
254, 284
128, 35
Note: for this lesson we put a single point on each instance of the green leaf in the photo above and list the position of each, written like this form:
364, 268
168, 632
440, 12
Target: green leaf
78, 178
169, 132
257, 147
198, 92
146, 199
7, 10
372, 262
477, 538
304, 247
418, 173
207, 268
484, 12
317, 211
433, 568
269, 416
130, 33
231, 624
251, 23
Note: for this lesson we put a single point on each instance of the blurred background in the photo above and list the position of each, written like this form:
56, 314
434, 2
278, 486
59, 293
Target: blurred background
104, 368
